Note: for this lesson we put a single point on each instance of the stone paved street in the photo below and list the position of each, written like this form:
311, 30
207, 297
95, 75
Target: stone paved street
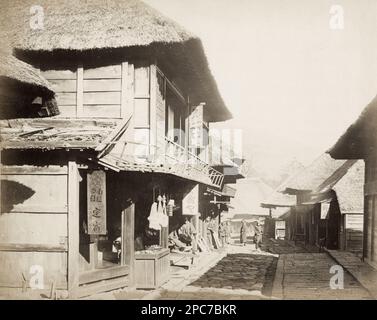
244, 273
307, 276
237, 271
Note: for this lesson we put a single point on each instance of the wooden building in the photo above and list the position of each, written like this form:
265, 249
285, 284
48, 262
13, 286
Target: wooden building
324, 204
246, 203
81, 186
360, 142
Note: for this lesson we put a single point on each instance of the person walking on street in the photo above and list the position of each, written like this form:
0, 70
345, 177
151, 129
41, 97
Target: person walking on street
258, 236
222, 233
243, 232
209, 230
227, 232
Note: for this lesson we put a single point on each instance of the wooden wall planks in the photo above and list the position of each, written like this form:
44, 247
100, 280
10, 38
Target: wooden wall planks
33, 225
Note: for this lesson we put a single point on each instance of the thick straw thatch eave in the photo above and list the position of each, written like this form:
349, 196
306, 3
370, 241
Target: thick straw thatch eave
360, 139
14, 70
100, 25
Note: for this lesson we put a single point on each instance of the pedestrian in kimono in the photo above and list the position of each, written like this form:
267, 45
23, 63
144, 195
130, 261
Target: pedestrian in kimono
222, 233
228, 231
258, 236
187, 232
210, 229
243, 232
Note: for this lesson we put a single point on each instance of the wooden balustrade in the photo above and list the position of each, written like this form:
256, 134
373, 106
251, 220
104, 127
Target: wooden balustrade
177, 154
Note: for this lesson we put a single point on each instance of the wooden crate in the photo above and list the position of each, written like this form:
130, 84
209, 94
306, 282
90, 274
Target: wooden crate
152, 270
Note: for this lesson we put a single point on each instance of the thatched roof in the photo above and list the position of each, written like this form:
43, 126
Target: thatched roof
250, 193
347, 189
84, 26
350, 189
360, 139
16, 70
322, 171
325, 179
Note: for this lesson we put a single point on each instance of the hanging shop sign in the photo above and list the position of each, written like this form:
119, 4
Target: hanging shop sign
190, 202
97, 202
325, 208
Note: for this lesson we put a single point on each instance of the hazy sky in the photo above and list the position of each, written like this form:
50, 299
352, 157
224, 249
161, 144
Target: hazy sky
292, 84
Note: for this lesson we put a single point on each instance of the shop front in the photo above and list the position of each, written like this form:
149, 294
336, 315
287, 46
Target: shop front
124, 226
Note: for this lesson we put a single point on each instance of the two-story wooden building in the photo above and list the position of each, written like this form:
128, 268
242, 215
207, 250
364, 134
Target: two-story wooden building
360, 142
101, 182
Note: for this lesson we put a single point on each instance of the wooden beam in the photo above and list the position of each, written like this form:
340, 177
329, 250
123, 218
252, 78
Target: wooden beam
152, 108
102, 286
27, 247
103, 274
51, 145
42, 208
129, 245
30, 170
73, 228
123, 104
80, 91
370, 188
130, 133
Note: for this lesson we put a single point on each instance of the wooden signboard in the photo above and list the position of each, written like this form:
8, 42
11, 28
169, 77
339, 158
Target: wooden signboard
97, 202
325, 207
190, 202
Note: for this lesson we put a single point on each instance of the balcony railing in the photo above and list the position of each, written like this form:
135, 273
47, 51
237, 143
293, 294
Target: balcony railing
191, 164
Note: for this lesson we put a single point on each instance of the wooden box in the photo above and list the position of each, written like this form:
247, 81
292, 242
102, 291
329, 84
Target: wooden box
152, 269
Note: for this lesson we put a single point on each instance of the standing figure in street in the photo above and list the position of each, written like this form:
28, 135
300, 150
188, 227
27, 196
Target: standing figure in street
228, 232
222, 233
243, 232
258, 235
210, 229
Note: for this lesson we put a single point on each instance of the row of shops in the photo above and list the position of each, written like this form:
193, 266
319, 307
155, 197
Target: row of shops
323, 204
332, 202
103, 154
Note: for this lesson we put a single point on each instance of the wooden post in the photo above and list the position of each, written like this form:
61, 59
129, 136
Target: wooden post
187, 130
93, 252
73, 228
129, 246
80, 91
124, 105
153, 109
164, 233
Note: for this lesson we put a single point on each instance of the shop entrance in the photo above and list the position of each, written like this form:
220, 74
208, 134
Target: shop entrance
102, 228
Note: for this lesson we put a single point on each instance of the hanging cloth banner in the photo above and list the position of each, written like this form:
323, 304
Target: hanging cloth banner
164, 217
154, 220
325, 208
190, 202
96, 182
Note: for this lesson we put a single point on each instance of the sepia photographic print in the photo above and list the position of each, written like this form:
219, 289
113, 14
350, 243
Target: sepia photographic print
188, 150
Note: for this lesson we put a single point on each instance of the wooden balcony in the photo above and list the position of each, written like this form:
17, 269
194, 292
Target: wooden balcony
191, 164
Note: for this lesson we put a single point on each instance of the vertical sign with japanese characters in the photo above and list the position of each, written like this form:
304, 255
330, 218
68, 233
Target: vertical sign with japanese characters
97, 202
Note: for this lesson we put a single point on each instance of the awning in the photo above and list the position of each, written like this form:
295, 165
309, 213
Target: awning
319, 198
227, 191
